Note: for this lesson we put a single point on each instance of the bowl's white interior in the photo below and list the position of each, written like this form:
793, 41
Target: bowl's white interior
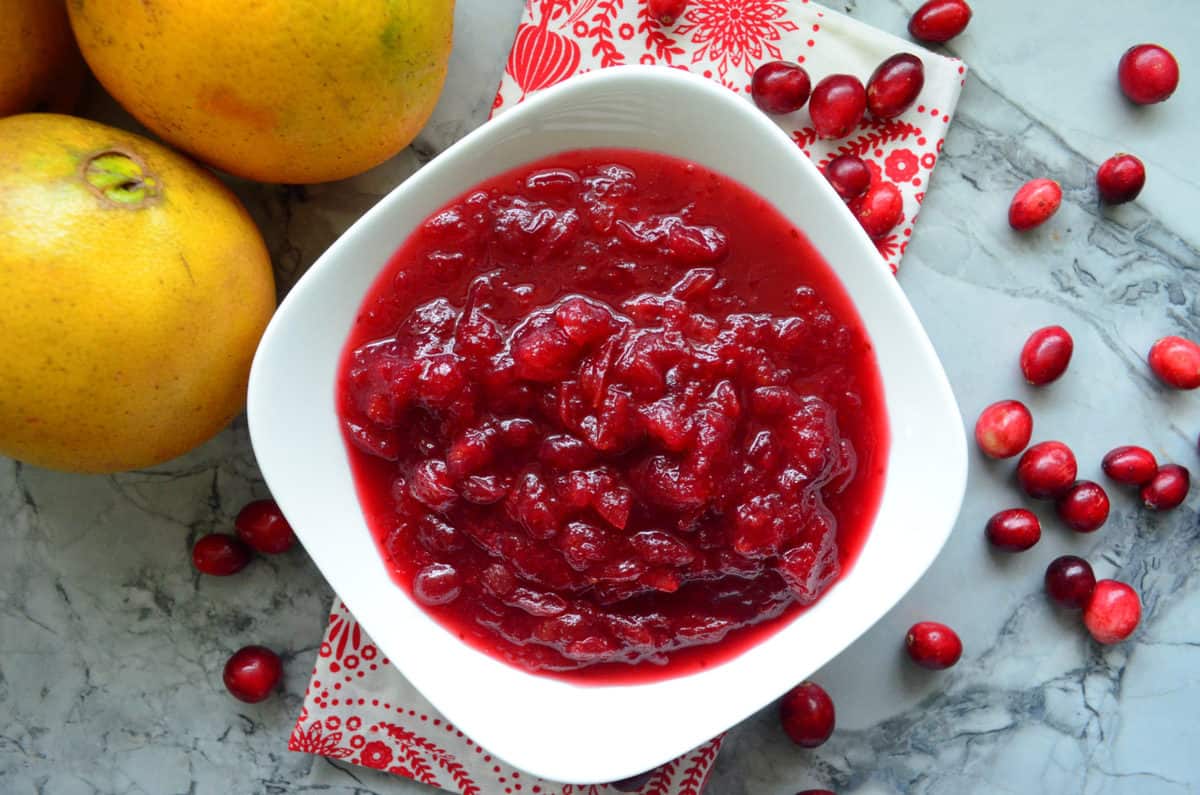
547, 727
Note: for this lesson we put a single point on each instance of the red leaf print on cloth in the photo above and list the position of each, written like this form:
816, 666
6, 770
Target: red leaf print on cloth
901, 166
601, 30
419, 750
541, 57
735, 33
662, 47
880, 133
375, 754
314, 741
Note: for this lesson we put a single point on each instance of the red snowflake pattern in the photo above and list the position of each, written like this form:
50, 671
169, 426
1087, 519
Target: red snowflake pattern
736, 33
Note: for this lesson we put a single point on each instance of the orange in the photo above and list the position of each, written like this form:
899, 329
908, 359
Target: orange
273, 90
40, 67
135, 289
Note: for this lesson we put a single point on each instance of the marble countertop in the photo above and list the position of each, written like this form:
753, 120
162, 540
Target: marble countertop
111, 646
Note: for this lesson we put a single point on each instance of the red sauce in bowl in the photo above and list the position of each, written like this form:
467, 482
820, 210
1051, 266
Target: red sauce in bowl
612, 417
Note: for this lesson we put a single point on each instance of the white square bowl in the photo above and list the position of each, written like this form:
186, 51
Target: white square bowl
550, 728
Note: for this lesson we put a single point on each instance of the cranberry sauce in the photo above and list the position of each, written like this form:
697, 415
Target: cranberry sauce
610, 415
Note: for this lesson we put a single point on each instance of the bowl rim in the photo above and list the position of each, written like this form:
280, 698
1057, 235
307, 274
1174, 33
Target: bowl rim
262, 407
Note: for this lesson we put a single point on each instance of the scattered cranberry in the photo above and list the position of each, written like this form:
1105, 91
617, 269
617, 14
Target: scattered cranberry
837, 105
666, 12
1176, 362
1113, 612
1084, 507
1167, 489
780, 87
1046, 470
220, 555
1003, 429
807, 714
849, 176
1046, 355
1131, 465
1120, 179
1070, 581
939, 20
633, 783
262, 525
932, 645
1148, 73
879, 209
1034, 203
1014, 530
252, 673
894, 85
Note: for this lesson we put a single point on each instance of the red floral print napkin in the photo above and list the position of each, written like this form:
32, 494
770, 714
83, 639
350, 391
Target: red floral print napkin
358, 707
726, 40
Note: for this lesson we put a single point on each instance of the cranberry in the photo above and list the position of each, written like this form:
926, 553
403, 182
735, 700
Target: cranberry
1014, 530
1084, 507
1046, 355
252, 673
633, 783
894, 85
807, 714
667, 11
780, 87
262, 525
849, 176
1034, 203
437, 584
939, 20
837, 105
932, 645
1003, 429
1070, 581
1120, 179
1130, 465
1148, 73
1167, 489
879, 209
220, 555
1046, 470
1113, 612
1176, 362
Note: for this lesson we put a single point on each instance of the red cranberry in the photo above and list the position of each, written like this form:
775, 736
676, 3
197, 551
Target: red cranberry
262, 525
1176, 362
1120, 179
1046, 355
939, 20
220, 555
1034, 203
252, 673
1167, 489
1070, 581
1046, 470
780, 87
849, 176
437, 584
1014, 530
1113, 612
807, 714
1130, 465
894, 85
932, 645
667, 11
879, 209
837, 105
633, 783
1148, 73
1003, 429
1084, 507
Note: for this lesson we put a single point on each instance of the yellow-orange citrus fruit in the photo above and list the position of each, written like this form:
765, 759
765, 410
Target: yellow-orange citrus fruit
135, 288
274, 90
40, 67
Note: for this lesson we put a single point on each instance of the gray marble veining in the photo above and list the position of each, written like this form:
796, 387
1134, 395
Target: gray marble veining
111, 646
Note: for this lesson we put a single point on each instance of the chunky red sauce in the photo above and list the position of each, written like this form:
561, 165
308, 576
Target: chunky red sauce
611, 415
